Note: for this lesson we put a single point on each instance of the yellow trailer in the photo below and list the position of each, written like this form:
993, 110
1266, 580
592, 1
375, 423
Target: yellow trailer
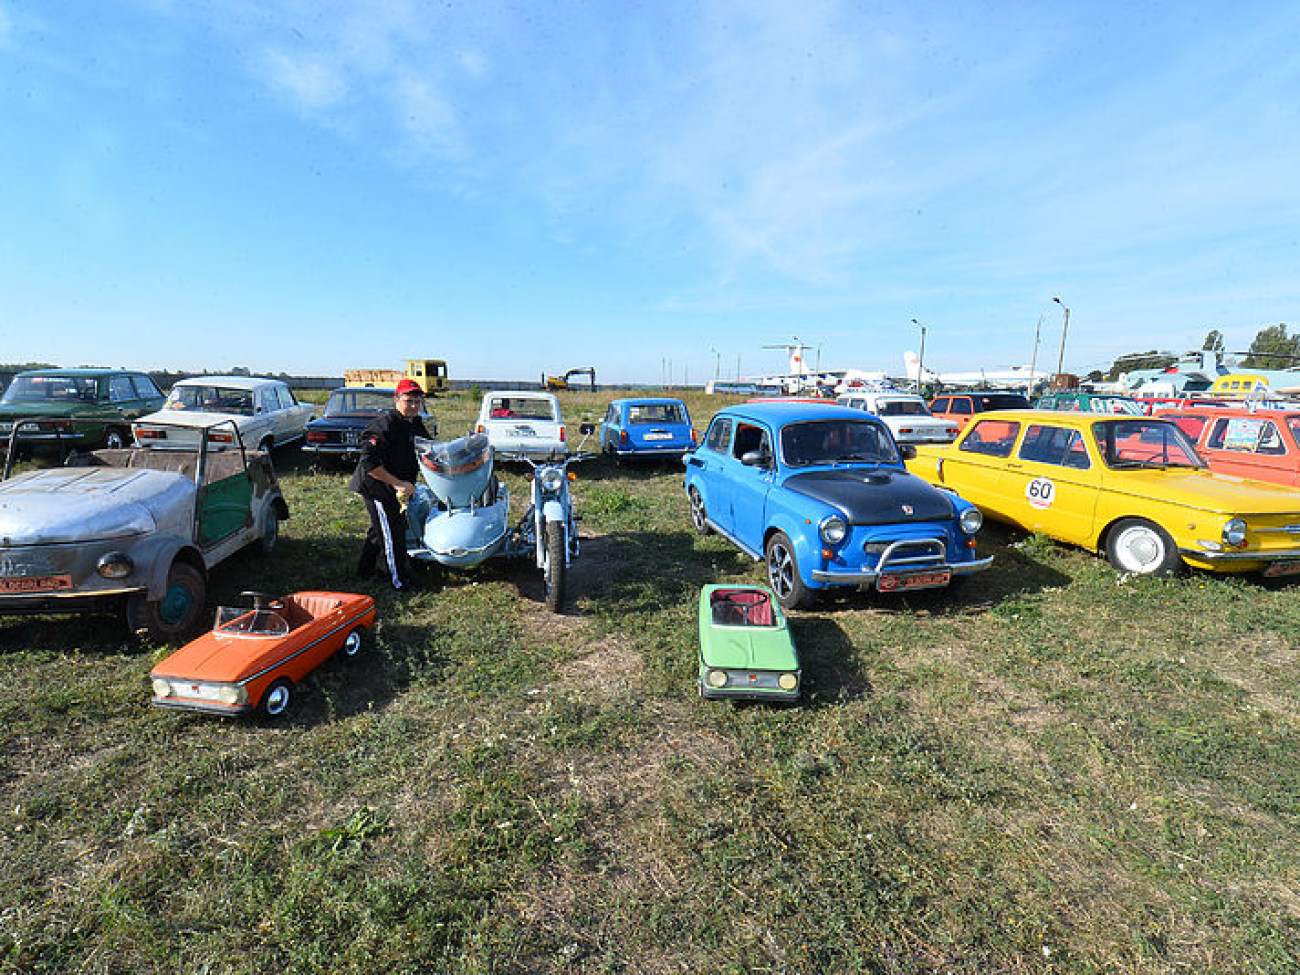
430, 374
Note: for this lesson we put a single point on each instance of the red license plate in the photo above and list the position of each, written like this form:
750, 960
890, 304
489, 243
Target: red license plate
36, 584
1282, 569
894, 581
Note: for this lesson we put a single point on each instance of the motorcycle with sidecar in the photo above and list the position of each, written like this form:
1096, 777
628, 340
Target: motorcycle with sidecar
460, 515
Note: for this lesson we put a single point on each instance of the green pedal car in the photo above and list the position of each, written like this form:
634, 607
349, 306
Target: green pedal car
745, 647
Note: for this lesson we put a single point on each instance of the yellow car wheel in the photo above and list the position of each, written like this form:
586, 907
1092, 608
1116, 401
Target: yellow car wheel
1142, 547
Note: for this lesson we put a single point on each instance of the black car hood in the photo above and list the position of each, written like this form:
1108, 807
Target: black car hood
876, 496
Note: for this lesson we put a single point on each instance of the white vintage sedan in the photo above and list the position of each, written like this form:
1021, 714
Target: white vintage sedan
264, 410
521, 424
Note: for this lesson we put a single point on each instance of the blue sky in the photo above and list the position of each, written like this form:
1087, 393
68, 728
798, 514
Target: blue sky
656, 189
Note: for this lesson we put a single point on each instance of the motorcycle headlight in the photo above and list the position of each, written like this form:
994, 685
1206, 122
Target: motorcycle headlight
833, 530
551, 478
162, 687
1234, 532
972, 520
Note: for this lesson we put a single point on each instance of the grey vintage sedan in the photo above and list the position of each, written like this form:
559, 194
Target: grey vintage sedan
134, 530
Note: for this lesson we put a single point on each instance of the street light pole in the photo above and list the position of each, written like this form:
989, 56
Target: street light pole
920, 360
717, 364
1065, 327
1033, 363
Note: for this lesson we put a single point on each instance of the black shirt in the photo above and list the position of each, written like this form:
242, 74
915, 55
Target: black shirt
388, 442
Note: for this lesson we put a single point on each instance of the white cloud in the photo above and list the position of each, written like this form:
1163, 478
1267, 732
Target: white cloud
314, 83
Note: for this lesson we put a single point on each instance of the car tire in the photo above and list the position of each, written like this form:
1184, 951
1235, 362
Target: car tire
116, 439
168, 619
270, 533
1141, 547
699, 516
352, 644
555, 573
275, 702
783, 573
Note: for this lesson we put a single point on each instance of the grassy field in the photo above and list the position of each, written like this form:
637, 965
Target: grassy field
1057, 770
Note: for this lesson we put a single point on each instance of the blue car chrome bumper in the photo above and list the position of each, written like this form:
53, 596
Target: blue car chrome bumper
869, 576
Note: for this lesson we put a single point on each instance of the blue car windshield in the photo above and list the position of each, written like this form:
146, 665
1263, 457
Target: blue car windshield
817, 442
655, 413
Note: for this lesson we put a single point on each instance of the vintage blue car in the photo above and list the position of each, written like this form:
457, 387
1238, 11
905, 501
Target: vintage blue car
647, 428
821, 495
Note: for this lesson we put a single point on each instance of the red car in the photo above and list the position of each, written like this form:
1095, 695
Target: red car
1263, 444
254, 657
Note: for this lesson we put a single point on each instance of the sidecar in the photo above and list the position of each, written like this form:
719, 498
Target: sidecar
460, 515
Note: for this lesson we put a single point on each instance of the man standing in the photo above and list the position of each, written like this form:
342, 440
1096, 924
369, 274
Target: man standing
385, 478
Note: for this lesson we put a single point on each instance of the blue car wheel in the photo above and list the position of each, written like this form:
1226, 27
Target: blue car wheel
783, 573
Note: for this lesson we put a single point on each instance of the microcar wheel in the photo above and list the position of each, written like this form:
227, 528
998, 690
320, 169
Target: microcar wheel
116, 439
270, 533
699, 517
555, 571
783, 573
352, 645
277, 699
1142, 548
174, 615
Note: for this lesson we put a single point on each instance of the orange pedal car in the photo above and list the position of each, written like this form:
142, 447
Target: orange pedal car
254, 656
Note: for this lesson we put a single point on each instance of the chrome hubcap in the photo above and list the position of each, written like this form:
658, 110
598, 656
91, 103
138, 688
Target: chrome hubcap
1140, 549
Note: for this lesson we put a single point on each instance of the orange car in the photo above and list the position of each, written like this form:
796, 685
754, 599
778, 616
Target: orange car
253, 657
1263, 444
961, 407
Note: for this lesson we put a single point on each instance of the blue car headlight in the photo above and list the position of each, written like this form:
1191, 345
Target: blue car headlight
972, 520
832, 530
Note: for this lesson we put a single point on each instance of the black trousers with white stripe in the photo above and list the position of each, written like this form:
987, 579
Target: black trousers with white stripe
385, 540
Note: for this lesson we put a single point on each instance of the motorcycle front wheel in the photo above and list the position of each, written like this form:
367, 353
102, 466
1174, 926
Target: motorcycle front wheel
555, 571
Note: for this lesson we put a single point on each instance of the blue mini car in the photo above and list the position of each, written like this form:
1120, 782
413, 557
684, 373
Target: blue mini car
647, 428
821, 495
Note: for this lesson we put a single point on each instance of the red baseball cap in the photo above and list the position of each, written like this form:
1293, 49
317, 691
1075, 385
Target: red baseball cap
408, 386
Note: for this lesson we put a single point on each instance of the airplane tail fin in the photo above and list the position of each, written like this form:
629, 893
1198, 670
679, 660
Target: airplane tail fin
911, 366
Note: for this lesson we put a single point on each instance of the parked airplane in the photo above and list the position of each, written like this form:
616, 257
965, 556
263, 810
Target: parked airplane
799, 378
1012, 377
1205, 372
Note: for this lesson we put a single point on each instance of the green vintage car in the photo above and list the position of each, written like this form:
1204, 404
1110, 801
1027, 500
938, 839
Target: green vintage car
80, 408
745, 646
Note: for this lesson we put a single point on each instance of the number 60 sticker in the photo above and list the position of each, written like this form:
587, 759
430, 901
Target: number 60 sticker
1041, 492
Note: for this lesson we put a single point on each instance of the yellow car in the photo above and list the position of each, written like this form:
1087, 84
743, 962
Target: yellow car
1133, 487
